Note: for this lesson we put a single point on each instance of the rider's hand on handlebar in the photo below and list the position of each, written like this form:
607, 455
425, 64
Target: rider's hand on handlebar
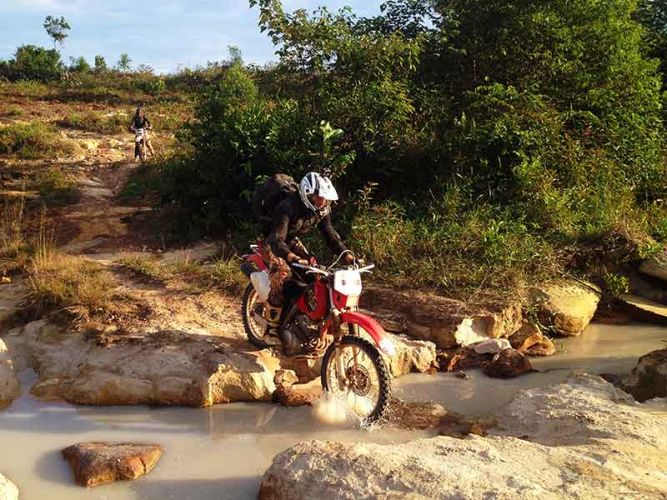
301, 262
348, 259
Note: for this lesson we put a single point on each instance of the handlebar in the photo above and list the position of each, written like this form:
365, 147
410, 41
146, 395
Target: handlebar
317, 270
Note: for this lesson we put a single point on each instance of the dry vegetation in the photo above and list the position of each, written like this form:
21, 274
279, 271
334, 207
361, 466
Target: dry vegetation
196, 277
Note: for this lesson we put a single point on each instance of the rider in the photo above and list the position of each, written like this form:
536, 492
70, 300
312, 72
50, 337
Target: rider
296, 215
139, 120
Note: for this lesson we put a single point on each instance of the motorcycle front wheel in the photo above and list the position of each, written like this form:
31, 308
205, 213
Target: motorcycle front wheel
354, 371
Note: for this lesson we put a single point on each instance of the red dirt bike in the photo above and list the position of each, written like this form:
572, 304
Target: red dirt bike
325, 311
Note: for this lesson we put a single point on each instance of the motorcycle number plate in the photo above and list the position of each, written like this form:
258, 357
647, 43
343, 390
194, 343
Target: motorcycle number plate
348, 283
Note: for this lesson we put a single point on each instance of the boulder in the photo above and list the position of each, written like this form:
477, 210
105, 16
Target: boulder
9, 384
530, 340
290, 393
463, 358
414, 415
98, 463
507, 364
642, 309
579, 439
491, 346
565, 306
652, 289
161, 368
649, 378
411, 356
445, 322
545, 347
8, 490
656, 266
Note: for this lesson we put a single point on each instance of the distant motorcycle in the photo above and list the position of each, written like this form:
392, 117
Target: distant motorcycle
326, 312
140, 143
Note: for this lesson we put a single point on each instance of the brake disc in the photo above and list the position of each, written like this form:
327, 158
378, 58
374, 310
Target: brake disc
359, 379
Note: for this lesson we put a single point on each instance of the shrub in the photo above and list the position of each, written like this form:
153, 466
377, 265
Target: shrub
72, 283
55, 187
35, 63
94, 121
33, 140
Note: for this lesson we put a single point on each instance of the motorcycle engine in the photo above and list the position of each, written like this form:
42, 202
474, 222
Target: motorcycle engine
303, 328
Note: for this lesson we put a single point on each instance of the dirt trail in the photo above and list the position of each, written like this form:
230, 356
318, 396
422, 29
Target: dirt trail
106, 227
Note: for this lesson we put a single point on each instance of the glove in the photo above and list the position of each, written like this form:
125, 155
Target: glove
348, 258
297, 260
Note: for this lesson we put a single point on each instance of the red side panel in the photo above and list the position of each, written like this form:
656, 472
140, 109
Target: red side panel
315, 301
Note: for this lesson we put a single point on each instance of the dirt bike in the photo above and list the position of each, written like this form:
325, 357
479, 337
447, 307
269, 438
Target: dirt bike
325, 307
140, 143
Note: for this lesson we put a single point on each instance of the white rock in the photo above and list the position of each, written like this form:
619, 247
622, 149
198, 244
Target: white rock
9, 384
580, 439
8, 490
491, 346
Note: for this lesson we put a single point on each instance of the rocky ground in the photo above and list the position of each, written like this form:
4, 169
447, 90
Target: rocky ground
580, 439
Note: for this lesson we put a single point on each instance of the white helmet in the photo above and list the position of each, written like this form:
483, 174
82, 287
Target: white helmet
314, 183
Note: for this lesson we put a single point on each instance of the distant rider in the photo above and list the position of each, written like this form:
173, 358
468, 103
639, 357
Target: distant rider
141, 121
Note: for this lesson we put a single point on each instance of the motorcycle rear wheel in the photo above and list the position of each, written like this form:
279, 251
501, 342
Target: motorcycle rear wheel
354, 370
256, 334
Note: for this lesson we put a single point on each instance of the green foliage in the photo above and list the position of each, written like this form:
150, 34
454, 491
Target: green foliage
100, 64
616, 284
653, 15
55, 187
124, 63
32, 140
500, 137
33, 63
57, 29
238, 139
79, 65
94, 121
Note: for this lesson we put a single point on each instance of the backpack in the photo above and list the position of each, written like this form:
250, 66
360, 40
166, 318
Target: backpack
270, 193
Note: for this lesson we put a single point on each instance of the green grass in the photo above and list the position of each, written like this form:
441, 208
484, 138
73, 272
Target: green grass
55, 187
146, 266
94, 121
223, 275
12, 111
15, 251
33, 140
72, 283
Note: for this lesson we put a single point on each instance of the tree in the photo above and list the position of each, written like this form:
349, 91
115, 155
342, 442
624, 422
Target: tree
235, 55
79, 65
653, 15
36, 63
123, 63
57, 29
100, 64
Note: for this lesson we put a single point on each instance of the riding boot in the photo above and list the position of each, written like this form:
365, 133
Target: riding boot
272, 316
290, 344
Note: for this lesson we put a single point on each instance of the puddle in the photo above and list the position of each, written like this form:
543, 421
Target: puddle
601, 349
222, 451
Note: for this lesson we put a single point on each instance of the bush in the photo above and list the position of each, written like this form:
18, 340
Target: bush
72, 283
33, 140
34, 63
503, 138
55, 187
93, 121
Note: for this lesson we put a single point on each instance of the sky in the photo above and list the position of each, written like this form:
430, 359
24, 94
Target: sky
164, 34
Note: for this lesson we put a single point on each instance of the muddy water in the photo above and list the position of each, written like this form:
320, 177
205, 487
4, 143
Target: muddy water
221, 452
